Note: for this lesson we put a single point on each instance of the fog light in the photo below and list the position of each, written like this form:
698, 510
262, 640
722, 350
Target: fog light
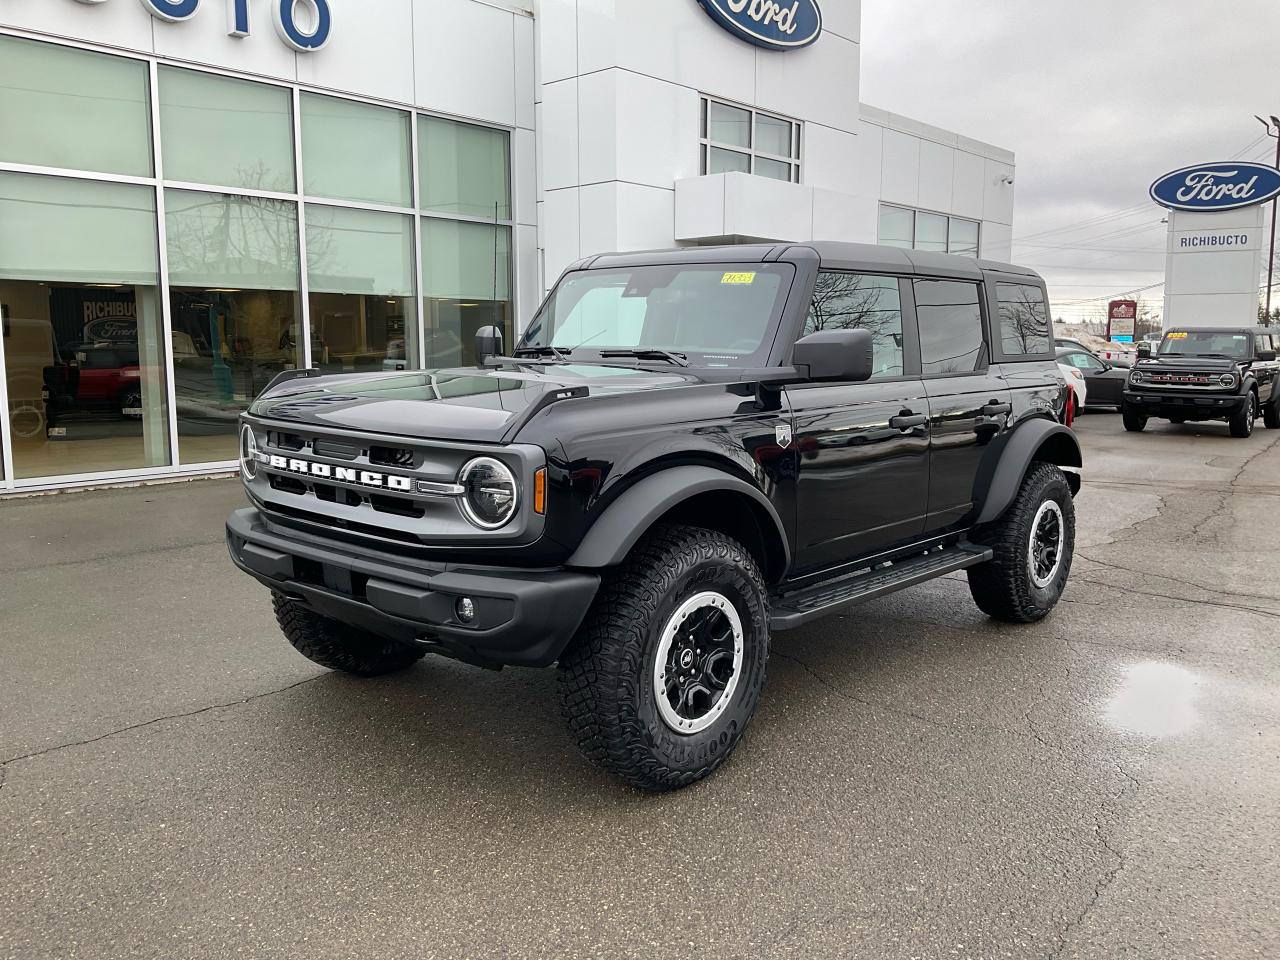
465, 609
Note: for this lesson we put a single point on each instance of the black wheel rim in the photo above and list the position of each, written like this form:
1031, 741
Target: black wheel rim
698, 663
1044, 549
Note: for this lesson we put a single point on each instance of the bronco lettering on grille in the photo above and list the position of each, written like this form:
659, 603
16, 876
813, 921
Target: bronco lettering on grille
343, 474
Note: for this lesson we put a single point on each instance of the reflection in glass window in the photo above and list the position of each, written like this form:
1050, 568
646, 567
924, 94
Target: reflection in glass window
720, 160
950, 326
465, 169
466, 278
931, 232
233, 274
897, 227
729, 125
847, 301
73, 109
1024, 319
84, 359
360, 277
226, 132
739, 140
355, 151
963, 238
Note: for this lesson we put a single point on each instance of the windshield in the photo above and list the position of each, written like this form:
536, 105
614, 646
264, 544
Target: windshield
1234, 344
716, 315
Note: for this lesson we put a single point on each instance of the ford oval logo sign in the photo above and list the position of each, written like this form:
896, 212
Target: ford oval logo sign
773, 24
1207, 187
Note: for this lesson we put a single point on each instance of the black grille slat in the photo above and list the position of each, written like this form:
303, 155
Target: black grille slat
391, 457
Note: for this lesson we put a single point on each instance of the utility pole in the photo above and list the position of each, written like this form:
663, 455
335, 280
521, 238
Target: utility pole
1271, 258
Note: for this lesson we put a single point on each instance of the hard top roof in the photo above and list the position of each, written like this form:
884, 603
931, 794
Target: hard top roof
834, 255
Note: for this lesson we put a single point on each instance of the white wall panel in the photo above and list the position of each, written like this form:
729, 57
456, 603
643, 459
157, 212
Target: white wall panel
560, 233
646, 217
818, 83
843, 18
997, 203
475, 78
968, 185
559, 113
937, 170
116, 24
900, 174
345, 64
699, 208
844, 217
657, 129
556, 27
524, 176
831, 161
204, 39
771, 209
525, 70
598, 218
1225, 309
528, 281
1219, 271
870, 157
598, 120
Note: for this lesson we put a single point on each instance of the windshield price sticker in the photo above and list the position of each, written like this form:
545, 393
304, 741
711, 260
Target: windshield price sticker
738, 278
1180, 335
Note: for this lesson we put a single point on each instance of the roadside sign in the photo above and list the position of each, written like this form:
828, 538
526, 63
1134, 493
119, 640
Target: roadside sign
1120, 319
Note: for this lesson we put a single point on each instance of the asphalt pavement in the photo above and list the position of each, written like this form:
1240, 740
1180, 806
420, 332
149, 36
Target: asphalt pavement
176, 782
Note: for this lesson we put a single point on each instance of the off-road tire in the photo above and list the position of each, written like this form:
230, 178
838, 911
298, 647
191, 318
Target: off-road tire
1178, 421
1271, 412
336, 645
1241, 421
607, 694
1002, 587
1134, 422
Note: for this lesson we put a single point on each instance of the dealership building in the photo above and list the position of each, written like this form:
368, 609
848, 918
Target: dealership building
198, 194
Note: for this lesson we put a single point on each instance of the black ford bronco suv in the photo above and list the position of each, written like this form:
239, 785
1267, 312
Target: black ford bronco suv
685, 451
1206, 373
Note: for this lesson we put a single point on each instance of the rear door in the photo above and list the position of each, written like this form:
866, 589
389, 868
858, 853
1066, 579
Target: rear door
1105, 384
969, 401
862, 448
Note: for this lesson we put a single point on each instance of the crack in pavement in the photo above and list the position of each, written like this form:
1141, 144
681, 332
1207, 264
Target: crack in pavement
148, 723
1215, 591
116, 557
1165, 596
1109, 875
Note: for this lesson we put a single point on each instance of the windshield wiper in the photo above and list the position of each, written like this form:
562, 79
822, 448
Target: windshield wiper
649, 353
557, 353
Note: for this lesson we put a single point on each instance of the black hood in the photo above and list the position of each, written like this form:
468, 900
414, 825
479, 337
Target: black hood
464, 403
1213, 364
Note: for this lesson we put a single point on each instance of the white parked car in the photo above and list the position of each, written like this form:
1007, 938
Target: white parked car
1079, 392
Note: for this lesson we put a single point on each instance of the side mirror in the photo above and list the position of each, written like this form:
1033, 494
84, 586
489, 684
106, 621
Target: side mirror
488, 344
841, 355
1266, 355
1144, 351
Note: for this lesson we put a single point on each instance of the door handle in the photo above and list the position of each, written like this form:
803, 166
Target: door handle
907, 420
995, 408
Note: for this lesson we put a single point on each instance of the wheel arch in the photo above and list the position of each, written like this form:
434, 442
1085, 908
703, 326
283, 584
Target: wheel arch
692, 494
1035, 441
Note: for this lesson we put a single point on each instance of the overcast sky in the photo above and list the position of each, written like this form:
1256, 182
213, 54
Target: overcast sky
1096, 98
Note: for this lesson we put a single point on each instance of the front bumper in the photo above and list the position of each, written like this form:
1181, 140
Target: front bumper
1183, 405
523, 617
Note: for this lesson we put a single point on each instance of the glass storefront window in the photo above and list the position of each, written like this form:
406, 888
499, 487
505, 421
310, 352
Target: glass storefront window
233, 275
73, 109
84, 361
226, 132
466, 277
720, 160
897, 226
728, 125
465, 169
360, 277
931, 232
964, 237
355, 151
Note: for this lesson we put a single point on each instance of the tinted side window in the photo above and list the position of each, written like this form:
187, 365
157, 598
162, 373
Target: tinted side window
845, 301
950, 326
1024, 319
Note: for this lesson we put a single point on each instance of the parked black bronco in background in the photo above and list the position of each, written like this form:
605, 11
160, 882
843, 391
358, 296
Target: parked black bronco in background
1206, 373
684, 452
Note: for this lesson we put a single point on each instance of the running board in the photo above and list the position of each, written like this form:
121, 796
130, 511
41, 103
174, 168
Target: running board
794, 609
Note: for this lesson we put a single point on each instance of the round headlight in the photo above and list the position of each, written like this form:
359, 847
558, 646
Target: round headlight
1228, 380
248, 452
1137, 376
490, 495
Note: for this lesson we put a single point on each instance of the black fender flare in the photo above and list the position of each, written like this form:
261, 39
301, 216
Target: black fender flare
626, 519
1027, 440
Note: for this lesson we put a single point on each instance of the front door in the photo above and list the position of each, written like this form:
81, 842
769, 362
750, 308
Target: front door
862, 448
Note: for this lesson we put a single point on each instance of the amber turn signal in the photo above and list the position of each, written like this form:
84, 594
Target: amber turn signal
540, 491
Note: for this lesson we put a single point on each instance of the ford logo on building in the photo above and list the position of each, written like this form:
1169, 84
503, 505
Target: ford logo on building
773, 24
1207, 187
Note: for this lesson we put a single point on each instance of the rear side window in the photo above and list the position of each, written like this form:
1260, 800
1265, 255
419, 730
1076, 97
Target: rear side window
950, 326
1024, 319
848, 301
